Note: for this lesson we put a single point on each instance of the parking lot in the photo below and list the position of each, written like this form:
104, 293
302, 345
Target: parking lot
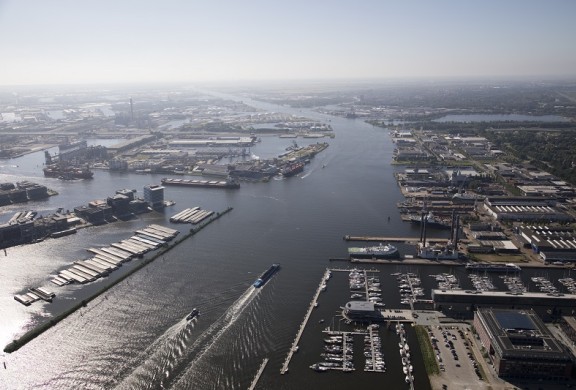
458, 366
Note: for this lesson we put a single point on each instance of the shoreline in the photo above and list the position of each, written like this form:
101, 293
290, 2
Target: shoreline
41, 328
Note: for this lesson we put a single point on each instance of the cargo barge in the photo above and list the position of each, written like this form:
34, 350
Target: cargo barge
261, 281
230, 183
68, 172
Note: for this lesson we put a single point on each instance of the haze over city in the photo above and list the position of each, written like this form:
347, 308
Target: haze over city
67, 42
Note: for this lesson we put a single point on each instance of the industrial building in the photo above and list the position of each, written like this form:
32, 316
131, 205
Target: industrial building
520, 345
552, 243
462, 303
525, 209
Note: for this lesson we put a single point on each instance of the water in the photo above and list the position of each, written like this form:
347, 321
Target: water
135, 335
467, 118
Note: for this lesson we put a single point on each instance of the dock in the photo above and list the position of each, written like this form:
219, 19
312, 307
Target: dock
294, 346
258, 374
406, 240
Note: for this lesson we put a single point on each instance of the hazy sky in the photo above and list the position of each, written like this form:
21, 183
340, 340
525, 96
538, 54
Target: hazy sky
92, 41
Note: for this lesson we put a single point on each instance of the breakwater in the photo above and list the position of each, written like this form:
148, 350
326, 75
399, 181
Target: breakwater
41, 328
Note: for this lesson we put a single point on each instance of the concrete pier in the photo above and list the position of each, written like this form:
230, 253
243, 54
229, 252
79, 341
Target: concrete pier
294, 346
258, 374
407, 240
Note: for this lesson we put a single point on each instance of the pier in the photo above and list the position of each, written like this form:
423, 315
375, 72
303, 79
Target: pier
294, 346
406, 240
258, 374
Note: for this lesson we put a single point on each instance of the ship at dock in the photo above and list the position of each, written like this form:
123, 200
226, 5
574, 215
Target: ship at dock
261, 281
379, 251
67, 172
431, 220
64, 168
229, 183
292, 169
493, 267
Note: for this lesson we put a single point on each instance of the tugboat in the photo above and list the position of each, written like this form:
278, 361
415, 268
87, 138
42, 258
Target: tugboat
192, 314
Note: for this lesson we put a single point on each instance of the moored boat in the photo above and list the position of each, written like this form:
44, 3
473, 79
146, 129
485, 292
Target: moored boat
378, 251
493, 267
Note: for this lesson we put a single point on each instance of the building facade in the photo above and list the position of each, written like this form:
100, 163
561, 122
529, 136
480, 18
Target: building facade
520, 345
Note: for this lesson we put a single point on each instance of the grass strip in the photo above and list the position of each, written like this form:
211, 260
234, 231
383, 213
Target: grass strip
427, 351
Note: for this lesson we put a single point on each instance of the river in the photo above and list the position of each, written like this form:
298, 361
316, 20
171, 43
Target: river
135, 335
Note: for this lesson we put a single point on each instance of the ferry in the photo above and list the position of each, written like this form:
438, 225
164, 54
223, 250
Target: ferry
193, 314
266, 275
493, 267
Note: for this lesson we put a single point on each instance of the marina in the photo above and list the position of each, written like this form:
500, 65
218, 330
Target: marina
338, 352
373, 351
405, 356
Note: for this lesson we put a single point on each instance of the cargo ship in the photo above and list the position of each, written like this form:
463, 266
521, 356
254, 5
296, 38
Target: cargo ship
230, 183
380, 251
67, 173
493, 267
292, 169
261, 281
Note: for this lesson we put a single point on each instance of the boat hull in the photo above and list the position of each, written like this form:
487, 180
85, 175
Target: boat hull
261, 281
201, 183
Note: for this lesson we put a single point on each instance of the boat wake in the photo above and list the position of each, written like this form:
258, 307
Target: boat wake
177, 349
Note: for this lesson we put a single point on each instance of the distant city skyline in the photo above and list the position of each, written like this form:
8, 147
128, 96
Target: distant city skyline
72, 42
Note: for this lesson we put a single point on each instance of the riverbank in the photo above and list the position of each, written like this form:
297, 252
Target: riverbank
38, 330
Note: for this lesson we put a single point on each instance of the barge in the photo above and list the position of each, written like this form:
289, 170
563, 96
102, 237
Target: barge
230, 183
261, 281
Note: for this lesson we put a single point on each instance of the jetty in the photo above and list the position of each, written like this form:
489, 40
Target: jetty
406, 240
294, 347
258, 374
